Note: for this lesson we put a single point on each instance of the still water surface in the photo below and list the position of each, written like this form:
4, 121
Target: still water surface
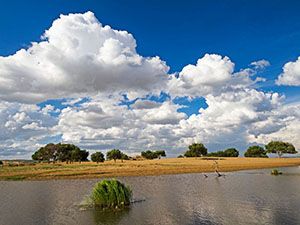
246, 197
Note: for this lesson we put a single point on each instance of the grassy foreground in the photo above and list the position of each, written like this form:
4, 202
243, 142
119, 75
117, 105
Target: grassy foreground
44, 171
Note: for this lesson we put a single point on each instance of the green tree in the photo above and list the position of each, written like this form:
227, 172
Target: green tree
280, 148
47, 153
114, 154
84, 155
1, 163
64, 153
256, 151
148, 154
160, 153
97, 157
61, 152
196, 150
231, 152
124, 156
78, 155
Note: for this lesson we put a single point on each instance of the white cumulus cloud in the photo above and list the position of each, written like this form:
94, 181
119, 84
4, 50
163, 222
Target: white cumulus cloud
77, 56
291, 74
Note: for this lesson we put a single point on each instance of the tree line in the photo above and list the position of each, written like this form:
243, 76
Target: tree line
277, 147
71, 153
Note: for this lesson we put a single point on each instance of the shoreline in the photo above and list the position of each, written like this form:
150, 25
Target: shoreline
168, 166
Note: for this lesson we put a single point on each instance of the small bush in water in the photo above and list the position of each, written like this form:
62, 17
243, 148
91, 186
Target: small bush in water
276, 172
110, 194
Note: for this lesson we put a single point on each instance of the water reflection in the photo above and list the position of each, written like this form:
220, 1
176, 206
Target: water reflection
109, 217
249, 197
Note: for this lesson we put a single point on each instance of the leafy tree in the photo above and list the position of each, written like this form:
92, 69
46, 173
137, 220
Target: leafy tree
97, 157
148, 154
84, 155
124, 156
47, 153
231, 152
196, 150
1, 163
256, 151
60, 152
78, 155
280, 148
64, 153
160, 153
114, 154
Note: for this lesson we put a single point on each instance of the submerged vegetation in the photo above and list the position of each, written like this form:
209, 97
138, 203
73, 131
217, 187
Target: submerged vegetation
110, 194
276, 172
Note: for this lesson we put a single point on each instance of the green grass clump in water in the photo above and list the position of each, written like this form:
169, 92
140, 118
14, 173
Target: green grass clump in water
110, 194
275, 172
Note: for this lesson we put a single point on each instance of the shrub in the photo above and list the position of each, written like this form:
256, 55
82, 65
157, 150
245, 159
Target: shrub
275, 172
110, 194
97, 157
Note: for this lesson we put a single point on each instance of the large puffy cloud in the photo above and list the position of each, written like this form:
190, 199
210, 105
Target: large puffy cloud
213, 74
78, 55
291, 74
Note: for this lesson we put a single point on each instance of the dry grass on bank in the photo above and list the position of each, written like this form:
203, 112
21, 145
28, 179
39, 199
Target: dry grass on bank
43, 171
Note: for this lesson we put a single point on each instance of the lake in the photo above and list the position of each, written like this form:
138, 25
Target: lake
245, 197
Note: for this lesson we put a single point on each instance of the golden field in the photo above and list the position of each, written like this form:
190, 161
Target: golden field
44, 171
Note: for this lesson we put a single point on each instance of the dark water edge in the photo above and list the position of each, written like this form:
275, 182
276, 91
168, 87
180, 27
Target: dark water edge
244, 197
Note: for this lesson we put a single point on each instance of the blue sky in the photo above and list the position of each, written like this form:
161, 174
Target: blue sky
180, 33
244, 30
